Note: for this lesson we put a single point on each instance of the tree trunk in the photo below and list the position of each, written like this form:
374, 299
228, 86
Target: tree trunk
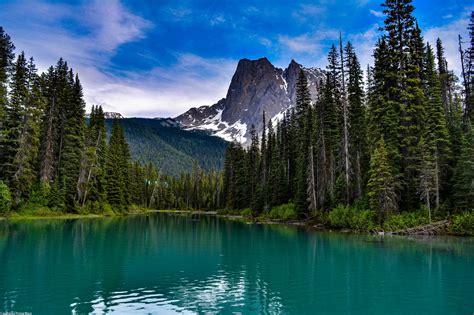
345, 124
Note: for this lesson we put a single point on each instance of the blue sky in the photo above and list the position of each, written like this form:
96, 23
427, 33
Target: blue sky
159, 58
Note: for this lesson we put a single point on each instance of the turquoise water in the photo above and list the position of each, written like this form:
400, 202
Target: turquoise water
167, 264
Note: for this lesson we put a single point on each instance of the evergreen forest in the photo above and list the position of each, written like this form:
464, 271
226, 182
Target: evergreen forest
395, 149
387, 146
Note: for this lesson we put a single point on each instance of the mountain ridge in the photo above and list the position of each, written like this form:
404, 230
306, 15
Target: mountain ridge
256, 86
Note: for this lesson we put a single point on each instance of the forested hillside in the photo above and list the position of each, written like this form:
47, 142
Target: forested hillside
53, 161
171, 149
399, 148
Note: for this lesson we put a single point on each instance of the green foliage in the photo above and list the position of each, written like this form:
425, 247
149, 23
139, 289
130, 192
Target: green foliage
463, 224
382, 184
34, 210
5, 198
171, 149
40, 193
247, 212
406, 220
347, 217
285, 212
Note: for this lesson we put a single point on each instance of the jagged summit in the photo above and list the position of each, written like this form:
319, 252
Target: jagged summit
256, 86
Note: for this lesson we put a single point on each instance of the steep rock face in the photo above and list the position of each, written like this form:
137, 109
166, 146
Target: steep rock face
256, 86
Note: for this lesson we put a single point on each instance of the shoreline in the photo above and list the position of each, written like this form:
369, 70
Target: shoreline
20, 216
309, 225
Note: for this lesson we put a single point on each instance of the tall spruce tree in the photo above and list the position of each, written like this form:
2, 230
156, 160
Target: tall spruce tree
436, 133
357, 122
72, 139
382, 184
6, 59
463, 179
13, 119
91, 182
115, 176
24, 163
412, 115
303, 122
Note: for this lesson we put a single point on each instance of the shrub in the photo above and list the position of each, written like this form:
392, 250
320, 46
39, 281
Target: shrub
230, 211
406, 220
247, 212
463, 224
283, 212
351, 218
39, 194
5, 198
340, 217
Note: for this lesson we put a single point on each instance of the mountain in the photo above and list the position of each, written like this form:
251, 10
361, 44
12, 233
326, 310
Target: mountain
172, 149
109, 115
256, 86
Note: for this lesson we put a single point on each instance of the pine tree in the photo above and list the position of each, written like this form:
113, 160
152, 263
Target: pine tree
382, 184
14, 113
345, 149
468, 69
437, 136
444, 78
24, 163
6, 59
303, 121
252, 164
114, 174
383, 94
428, 176
228, 177
357, 122
464, 173
412, 115
72, 140
124, 164
91, 182
328, 145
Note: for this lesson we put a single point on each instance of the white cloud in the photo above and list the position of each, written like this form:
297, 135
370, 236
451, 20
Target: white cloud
308, 49
216, 20
113, 24
364, 44
376, 13
191, 81
449, 36
298, 44
308, 42
168, 91
307, 12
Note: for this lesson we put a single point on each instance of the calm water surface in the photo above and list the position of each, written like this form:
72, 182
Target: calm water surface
167, 264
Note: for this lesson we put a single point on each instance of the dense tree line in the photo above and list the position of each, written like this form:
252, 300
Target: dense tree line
51, 158
398, 142
171, 149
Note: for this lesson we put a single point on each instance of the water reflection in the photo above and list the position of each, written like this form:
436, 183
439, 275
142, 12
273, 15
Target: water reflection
179, 264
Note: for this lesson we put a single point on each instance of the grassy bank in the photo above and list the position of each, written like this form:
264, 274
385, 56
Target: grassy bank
43, 212
341, 218
356, 219
47, 213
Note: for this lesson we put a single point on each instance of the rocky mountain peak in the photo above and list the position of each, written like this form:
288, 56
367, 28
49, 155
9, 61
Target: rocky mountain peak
256, 86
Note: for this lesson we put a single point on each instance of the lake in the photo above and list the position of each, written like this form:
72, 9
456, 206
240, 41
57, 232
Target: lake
167, 264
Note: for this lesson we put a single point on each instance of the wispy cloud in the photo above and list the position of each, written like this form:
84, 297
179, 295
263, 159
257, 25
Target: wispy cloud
113, 25
298, 44
364, 44
163, 91
376, 13
448, 34
307, 12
